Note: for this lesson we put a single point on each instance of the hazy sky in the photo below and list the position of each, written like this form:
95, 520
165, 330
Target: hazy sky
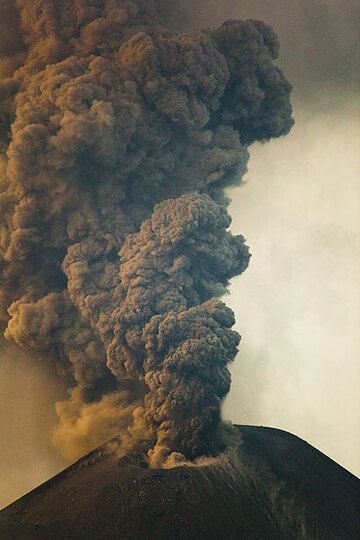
28, 391
298, 304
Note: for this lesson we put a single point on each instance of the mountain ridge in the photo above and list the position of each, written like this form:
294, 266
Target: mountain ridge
272, 485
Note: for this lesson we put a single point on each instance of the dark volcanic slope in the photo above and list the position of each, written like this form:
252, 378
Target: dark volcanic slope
278, 487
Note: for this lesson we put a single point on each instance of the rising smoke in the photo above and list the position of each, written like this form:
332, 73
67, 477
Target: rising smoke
118, 140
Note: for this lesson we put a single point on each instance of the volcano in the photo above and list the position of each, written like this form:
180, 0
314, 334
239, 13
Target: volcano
272, 485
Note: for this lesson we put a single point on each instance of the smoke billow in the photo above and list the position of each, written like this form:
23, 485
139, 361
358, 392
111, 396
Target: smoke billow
118, 140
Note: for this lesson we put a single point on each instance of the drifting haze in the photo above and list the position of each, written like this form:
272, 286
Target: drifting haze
298, 366
28, 390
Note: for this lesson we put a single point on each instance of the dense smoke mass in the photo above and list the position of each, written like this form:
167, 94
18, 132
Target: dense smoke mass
118, 140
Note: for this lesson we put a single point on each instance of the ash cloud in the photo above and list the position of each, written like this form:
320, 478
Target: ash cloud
119, 138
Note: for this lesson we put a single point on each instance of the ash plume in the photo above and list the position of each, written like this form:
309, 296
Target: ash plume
118, 140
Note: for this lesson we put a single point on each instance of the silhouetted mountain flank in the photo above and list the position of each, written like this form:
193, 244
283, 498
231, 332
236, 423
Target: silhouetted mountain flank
272, 485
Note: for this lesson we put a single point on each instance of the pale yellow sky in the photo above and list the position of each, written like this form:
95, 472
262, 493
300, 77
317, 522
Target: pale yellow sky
28, 391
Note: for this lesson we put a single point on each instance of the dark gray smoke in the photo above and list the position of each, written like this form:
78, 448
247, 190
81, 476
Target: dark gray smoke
118, 139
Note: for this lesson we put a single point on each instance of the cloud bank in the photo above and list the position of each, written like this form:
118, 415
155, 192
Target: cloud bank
118, 140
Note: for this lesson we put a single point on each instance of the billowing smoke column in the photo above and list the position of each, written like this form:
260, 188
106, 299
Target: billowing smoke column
118, 139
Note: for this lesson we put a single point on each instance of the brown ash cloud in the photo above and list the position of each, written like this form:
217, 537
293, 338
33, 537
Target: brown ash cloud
118, 140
